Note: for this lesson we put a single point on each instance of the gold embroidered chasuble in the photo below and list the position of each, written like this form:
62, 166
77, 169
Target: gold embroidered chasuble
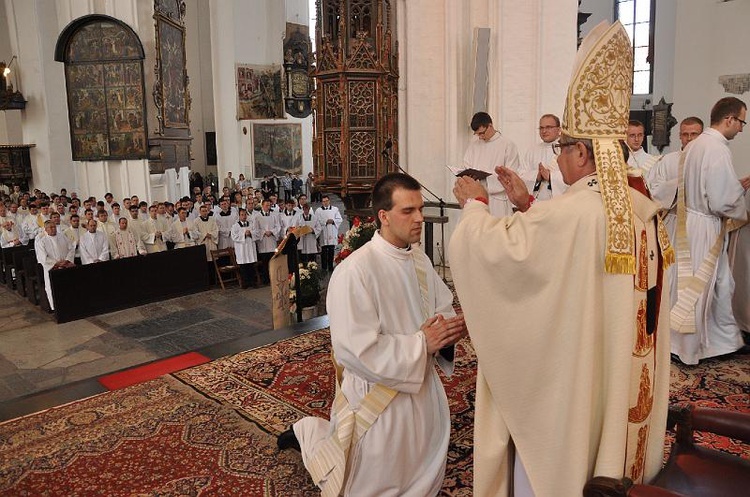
571, 370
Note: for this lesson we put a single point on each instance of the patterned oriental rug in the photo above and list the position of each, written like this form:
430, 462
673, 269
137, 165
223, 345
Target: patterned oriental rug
211, 430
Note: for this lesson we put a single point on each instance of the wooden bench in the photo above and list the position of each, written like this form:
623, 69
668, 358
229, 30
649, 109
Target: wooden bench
124, 283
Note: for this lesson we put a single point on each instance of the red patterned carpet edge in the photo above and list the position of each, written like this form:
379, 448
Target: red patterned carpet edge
155, 438
152, 370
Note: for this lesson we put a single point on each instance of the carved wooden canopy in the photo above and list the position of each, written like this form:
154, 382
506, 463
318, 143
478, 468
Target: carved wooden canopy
356, 104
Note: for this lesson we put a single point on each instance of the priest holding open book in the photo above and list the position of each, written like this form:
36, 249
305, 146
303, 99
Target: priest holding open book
485, 153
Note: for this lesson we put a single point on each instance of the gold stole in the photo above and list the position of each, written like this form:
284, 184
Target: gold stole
690, 286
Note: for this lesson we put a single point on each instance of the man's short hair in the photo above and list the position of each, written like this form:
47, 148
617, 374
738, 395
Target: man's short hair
115, 204
692, 120
100, 212
181, 209
88, 210
74, 216
636, 123
325, 195
726, 107
382, 192
479, 120
550, 116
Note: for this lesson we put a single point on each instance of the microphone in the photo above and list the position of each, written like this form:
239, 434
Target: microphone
388, 146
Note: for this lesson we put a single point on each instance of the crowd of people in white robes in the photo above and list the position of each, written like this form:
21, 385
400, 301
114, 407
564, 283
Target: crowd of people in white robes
91, 230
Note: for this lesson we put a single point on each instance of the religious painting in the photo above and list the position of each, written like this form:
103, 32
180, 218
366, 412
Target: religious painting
277, 148
259, 92
104, 81
173, 76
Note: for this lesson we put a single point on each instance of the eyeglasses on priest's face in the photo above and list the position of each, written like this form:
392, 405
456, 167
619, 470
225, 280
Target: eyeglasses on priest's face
557, 147
743, 123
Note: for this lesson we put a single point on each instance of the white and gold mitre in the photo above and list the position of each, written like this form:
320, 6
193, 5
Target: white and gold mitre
598, 108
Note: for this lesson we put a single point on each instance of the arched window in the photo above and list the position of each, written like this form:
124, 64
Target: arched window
104, 80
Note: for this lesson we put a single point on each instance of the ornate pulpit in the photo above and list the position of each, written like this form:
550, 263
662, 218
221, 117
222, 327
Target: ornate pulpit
356, 100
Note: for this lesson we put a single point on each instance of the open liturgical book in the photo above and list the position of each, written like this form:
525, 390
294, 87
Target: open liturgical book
470, 172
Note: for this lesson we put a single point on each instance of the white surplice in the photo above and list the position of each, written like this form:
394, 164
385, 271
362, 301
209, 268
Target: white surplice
712, 192
287, 220
309, 243
225, 223
328, 233
375, 312
49, 250
542, 153
94, 247
263, 222
640, 159
244, 245
207, 227
8, 237
125, 243
662, 180
179, 236
149, 229
486, 156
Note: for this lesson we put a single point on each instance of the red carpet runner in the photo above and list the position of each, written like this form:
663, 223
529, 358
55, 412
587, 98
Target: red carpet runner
152, 370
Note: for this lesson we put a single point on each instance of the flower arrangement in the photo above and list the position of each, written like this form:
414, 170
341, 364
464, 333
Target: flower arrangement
359, 234
309, 280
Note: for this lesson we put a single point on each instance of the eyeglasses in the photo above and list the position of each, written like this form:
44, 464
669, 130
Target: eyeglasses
740, 120
557, 147
547, 128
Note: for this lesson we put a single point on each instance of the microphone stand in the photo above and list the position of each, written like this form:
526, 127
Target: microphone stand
441, 203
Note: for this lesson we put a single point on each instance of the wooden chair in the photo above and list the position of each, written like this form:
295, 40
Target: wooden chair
227, 269
691, 470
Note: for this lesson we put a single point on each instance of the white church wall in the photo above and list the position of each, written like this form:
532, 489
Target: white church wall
248, 32
532, 49
711, 40
198, 51
33, 28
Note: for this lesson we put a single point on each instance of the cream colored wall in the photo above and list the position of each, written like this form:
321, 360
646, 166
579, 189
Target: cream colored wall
532, 47
699, 60
248, 32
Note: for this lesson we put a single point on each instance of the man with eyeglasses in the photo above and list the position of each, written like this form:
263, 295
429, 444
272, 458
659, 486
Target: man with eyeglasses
639, 158
485, 153
563, 304
662, 184
539, 166
713, 196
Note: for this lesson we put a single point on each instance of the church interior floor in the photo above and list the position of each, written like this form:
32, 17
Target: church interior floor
37, 354
45, 364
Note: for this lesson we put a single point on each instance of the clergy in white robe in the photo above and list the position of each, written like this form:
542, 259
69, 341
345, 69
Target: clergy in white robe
225, 218
53, 251
244, 249
12, 236
73, 232
94, 245
153, 232
125, 242
308, 244
539, 165
208, 232
389, 314
712, 193
327, 222
662, 181
582, 389
266, 232
288, 217
487, 151
182, 231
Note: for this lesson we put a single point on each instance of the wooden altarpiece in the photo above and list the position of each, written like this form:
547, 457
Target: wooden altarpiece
356, 96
